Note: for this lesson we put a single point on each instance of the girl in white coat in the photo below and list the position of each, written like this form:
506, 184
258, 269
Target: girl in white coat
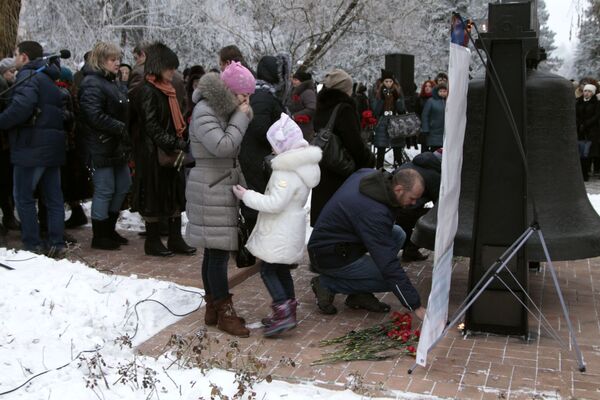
279, 235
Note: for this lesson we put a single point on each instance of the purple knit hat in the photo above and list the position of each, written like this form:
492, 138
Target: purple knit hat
285, 135
238, 79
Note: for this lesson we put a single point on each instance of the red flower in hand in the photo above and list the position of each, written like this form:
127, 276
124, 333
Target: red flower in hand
302, 118
367, 114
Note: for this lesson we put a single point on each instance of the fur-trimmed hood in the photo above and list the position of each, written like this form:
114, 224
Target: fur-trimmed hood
212, 89
329, 98
303, 161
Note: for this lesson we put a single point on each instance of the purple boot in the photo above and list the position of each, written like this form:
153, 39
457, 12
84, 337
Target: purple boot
266, 321
283, 319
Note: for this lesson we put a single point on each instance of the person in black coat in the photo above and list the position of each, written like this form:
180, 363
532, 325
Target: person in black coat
7, 79
34, 119
587, 110
337, 90
267, 105
429, 166
103, 113
159, 190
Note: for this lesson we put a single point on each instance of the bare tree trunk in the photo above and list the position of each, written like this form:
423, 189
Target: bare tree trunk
9, 23
320, 47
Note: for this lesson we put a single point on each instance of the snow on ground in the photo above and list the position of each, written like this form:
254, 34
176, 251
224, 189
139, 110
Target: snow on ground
52, 310
595, 200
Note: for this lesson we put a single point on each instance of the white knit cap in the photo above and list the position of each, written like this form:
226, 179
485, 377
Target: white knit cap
590, 87
285, 135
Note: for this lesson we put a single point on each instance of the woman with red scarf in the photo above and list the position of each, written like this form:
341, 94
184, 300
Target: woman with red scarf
159, 190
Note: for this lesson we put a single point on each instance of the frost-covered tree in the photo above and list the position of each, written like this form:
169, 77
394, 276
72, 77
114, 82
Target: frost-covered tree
9, 23
587, 55
546, 34
350, 34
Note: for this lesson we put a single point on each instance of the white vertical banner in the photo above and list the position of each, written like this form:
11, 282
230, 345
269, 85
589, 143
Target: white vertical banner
447, 218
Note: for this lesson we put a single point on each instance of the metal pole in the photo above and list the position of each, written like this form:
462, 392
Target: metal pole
563, 304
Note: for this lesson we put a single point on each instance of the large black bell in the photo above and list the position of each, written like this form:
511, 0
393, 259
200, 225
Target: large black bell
569, 223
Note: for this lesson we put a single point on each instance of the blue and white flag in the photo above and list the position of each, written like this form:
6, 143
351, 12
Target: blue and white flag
447, 219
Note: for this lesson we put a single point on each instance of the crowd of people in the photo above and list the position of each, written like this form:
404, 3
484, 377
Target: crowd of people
587, 109
229, 142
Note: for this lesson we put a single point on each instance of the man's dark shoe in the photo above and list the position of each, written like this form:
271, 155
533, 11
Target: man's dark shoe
324, 297
56, 252
366, 301
410, 254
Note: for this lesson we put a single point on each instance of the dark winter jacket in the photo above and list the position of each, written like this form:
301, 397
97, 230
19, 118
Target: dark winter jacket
382, 138
103, 115
34, 118
358, 219
429, 165
588, 118
255, 147
347, 127
304, 103
157, 190
432, 119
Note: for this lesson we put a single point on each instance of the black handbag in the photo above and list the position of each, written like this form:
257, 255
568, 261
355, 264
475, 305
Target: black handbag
403, 126
336, 157
243, 258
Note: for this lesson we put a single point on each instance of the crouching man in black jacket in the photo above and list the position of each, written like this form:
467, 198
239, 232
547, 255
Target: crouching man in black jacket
357, 220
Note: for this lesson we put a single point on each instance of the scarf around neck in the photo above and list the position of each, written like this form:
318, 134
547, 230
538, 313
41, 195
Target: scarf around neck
168, 89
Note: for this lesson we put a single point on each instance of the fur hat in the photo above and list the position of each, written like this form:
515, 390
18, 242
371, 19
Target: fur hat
285, 135
386, 74
340, 80
159, 58
238, 78
6, 64
441, 86
590, 87
302, 76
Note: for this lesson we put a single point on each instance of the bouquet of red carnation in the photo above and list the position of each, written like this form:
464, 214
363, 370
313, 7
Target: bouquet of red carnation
376, 343
368, 120
302, 118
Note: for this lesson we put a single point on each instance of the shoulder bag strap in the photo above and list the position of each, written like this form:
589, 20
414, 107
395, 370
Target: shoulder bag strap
331, 121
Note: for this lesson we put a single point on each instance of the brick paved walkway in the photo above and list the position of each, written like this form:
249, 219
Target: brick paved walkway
475, 367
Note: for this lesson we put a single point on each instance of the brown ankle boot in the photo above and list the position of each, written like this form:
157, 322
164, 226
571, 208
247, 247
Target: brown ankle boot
210, 312
228, 320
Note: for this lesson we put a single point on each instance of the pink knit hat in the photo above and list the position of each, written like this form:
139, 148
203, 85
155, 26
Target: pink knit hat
238, 79
285, 135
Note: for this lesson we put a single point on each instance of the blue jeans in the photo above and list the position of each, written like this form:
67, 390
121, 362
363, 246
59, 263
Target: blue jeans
214, 273
362, 275
278, 280
26, 179
111, 185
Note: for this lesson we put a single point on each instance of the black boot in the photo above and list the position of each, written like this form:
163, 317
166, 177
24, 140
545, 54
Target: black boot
153, 246
8, 217
77, 217
101, 239
411, 252
176, 243
113, 217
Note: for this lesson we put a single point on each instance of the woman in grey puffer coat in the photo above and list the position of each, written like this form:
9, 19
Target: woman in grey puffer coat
219, 121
